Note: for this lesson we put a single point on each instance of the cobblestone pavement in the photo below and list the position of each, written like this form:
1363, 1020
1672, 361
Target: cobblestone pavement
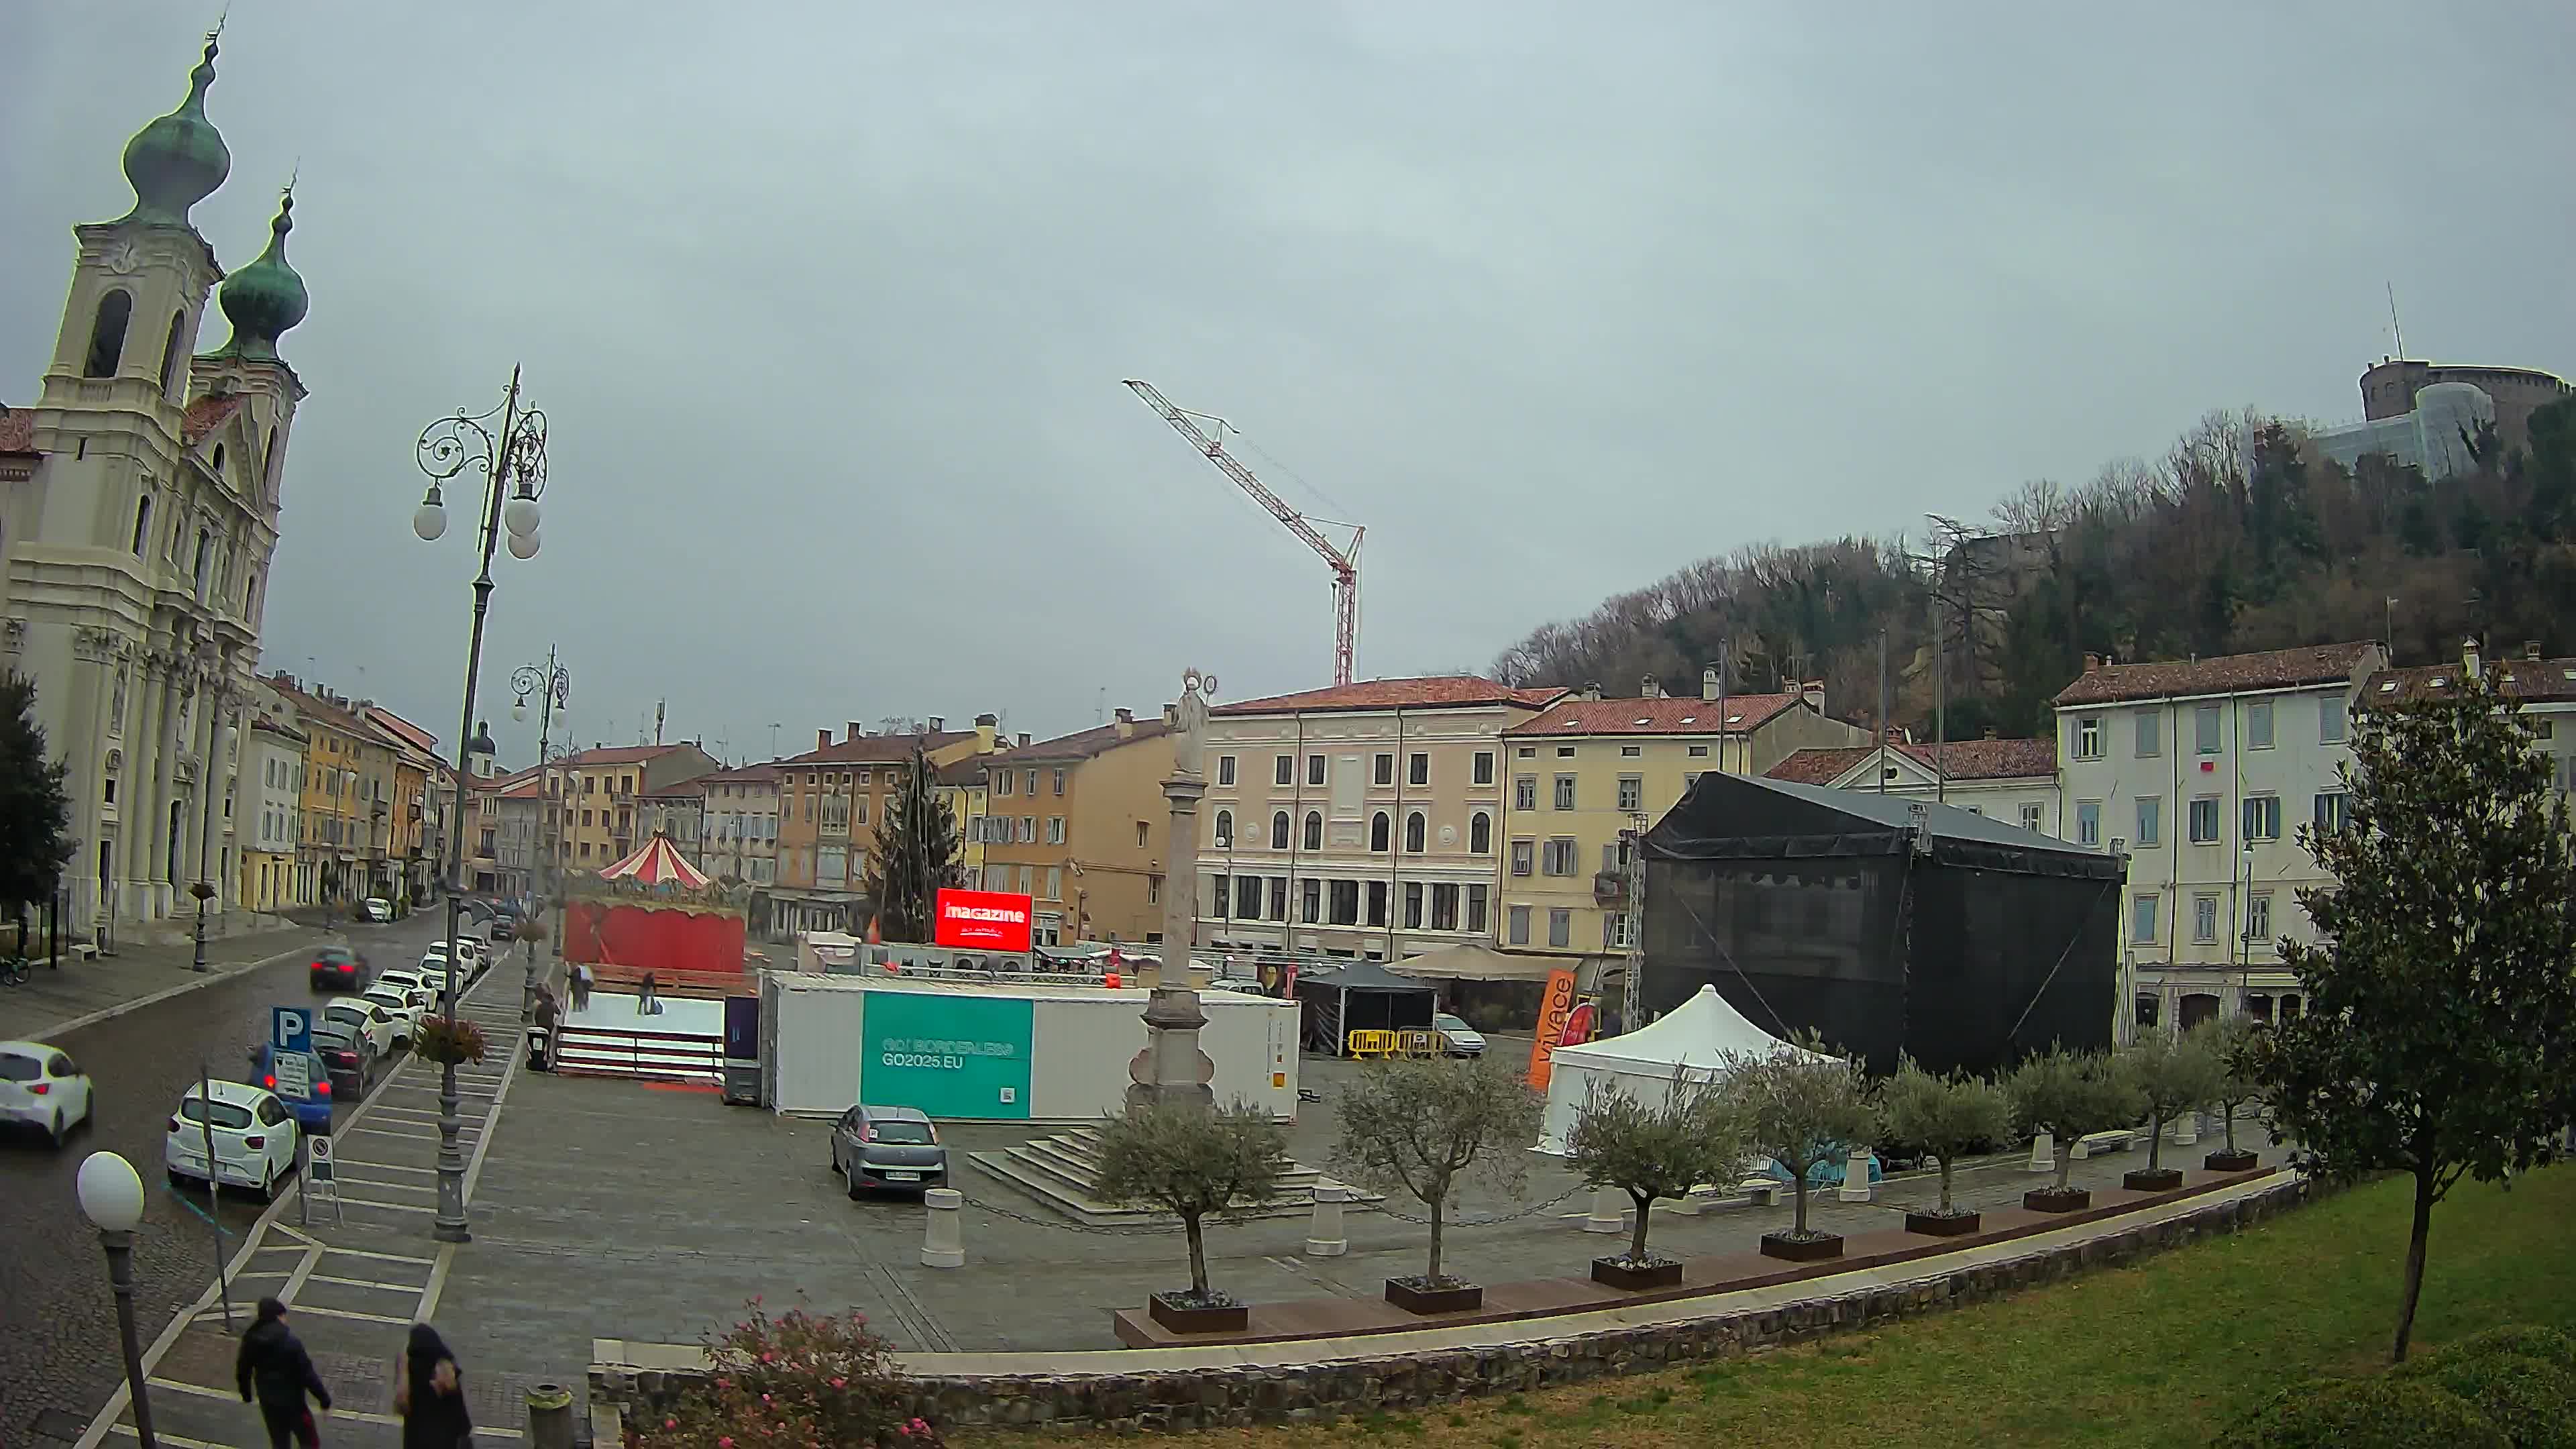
615, 1210
356, 1284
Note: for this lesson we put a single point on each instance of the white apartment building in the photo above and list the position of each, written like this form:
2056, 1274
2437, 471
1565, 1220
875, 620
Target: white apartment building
2014, 781
2545, 687
740, 825
1357, 821
268, 814
2203, 771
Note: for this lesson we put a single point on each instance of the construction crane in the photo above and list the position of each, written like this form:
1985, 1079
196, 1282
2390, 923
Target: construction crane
1345, 561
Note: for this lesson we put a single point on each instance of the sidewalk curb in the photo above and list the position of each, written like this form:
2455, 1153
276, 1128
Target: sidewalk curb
194, 983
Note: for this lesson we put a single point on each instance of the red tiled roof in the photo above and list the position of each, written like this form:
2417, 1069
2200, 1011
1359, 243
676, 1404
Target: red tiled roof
1443, 691
17, 430
617, 755
2227, 674
877, 749
762, 774
207, 414
2525, 679
972, 770
338, 717
1665, 716
1083, 744
1958, 760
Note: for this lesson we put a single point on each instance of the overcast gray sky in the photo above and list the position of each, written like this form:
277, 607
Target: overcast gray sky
830, 303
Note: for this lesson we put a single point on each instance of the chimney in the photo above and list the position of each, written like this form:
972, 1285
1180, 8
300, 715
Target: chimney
1649, 688
1592, 690
854, 730
1171, 714
1024, 739
1708, 683
1813, 692
2469, 656
2092, 663
1126, 723
822, 739
939, 724
987, 728
2531, 649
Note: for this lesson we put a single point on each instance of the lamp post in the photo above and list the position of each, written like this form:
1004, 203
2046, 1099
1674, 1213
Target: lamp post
111, 1197
513, 464
553, 687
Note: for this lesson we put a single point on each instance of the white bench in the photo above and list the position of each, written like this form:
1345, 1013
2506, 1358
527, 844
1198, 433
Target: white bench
82, 951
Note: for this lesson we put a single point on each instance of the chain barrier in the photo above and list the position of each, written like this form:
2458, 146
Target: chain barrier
1532, 1210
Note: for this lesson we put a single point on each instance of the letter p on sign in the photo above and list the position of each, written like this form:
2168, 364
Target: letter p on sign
290, 1028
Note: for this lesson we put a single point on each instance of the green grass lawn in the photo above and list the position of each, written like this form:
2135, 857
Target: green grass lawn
2161, 1353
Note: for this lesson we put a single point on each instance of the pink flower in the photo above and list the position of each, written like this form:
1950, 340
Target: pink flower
764, 1398
840, 1383
670, 1423
769, 1358
725, 1443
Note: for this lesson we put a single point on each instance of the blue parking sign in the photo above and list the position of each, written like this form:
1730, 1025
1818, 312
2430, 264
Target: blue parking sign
290, 1028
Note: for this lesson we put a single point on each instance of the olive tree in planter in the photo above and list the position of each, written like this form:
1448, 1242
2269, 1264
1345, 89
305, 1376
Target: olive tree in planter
1948, 1117
1194, 1164
2232, 1042
2071, 1095
1421, 1125
1804, 1106
2173, 1075
1697, 1133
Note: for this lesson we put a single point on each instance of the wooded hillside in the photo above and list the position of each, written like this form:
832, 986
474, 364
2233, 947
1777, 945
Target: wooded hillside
2240, 537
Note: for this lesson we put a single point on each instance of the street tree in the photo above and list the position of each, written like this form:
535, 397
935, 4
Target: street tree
1194, 1164
2172, 1075
2440, 1035
1806, 1106
1697, 1133
916, 854
1422, 1125
1948, 1117
2235, 1043
35, 812
2072, 1095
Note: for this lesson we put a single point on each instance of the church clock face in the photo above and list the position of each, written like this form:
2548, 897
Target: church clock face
124, 257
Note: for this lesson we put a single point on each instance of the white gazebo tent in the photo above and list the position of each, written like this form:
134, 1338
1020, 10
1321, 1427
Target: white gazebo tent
1688, 1043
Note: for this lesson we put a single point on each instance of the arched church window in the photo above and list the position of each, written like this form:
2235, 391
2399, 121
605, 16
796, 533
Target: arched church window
170, 353
268, 464
107, 334
219, 460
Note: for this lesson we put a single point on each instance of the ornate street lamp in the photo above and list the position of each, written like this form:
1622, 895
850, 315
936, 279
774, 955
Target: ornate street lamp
111, 1197
553, 687
513, 464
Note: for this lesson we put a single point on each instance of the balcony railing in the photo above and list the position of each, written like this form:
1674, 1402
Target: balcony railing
1610, 888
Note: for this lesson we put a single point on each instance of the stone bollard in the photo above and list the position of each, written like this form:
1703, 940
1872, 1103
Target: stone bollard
2043, 1153
1325, 1236
1609, 1211
2186, 1129
549, 1416
1856, 1168
943, 1240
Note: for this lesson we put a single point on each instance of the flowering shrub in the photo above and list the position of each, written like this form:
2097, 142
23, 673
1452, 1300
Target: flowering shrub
448, 1040
800, 1379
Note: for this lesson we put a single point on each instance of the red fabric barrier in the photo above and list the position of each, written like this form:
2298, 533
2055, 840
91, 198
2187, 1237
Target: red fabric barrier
599, 933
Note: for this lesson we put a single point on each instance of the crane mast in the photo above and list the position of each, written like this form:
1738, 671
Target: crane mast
1345, 562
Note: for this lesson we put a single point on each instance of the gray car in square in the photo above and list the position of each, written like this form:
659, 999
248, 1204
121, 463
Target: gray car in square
888, 1147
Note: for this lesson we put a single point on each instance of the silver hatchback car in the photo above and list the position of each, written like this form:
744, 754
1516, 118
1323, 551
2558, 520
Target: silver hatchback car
897, 1147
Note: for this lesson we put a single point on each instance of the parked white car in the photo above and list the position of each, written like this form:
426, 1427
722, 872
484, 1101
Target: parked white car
400, 1004
253, 1134
378, 909
42, 1088
367, 1018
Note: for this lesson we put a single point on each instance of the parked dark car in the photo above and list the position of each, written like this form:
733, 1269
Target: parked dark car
339, 969
351, 1058
894, 1147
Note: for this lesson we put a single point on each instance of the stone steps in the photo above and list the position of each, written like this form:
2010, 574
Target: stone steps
1063, 1173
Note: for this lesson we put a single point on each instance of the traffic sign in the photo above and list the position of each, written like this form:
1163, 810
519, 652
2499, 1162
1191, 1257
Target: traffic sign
294, 1073
290, 1028
317, 1158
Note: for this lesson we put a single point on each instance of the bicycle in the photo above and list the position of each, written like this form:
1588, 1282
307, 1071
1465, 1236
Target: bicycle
14, 970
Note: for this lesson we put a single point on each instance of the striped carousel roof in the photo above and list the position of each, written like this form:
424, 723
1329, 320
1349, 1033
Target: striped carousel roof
657, 862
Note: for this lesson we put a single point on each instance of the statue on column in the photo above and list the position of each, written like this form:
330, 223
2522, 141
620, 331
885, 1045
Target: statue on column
1171, 1068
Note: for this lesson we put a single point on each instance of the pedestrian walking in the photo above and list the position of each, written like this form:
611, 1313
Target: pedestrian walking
646, 1003
580, 987
429, 1394
273, 1370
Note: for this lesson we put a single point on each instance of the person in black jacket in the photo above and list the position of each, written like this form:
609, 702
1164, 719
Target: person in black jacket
274, 1368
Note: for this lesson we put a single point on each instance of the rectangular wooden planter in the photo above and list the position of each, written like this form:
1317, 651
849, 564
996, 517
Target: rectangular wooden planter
2050, 1200
1182, 1318
1935, 1225
2152, 1179
1457, 1298
1661, 1274
2225, 1161
1791, 1250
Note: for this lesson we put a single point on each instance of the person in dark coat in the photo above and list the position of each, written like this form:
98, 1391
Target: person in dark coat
429, 1393
274, 1370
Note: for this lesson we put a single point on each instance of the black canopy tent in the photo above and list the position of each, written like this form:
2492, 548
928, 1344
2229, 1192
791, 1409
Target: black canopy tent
1890, 925
1362, 996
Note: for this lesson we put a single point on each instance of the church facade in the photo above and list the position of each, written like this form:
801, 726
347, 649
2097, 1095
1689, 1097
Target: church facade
138, 516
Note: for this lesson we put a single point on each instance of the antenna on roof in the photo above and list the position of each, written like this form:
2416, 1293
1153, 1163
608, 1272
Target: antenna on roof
2396, 330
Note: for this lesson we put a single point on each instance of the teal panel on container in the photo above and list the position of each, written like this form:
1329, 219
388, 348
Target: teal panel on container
950, 1056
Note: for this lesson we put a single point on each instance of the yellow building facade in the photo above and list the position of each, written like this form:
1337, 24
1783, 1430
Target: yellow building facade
1582, 774
347, 767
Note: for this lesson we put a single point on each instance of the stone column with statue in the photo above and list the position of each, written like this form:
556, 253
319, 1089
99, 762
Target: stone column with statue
1172, 1068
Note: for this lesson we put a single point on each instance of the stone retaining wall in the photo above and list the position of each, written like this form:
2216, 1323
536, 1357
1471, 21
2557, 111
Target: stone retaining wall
1397, 1380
